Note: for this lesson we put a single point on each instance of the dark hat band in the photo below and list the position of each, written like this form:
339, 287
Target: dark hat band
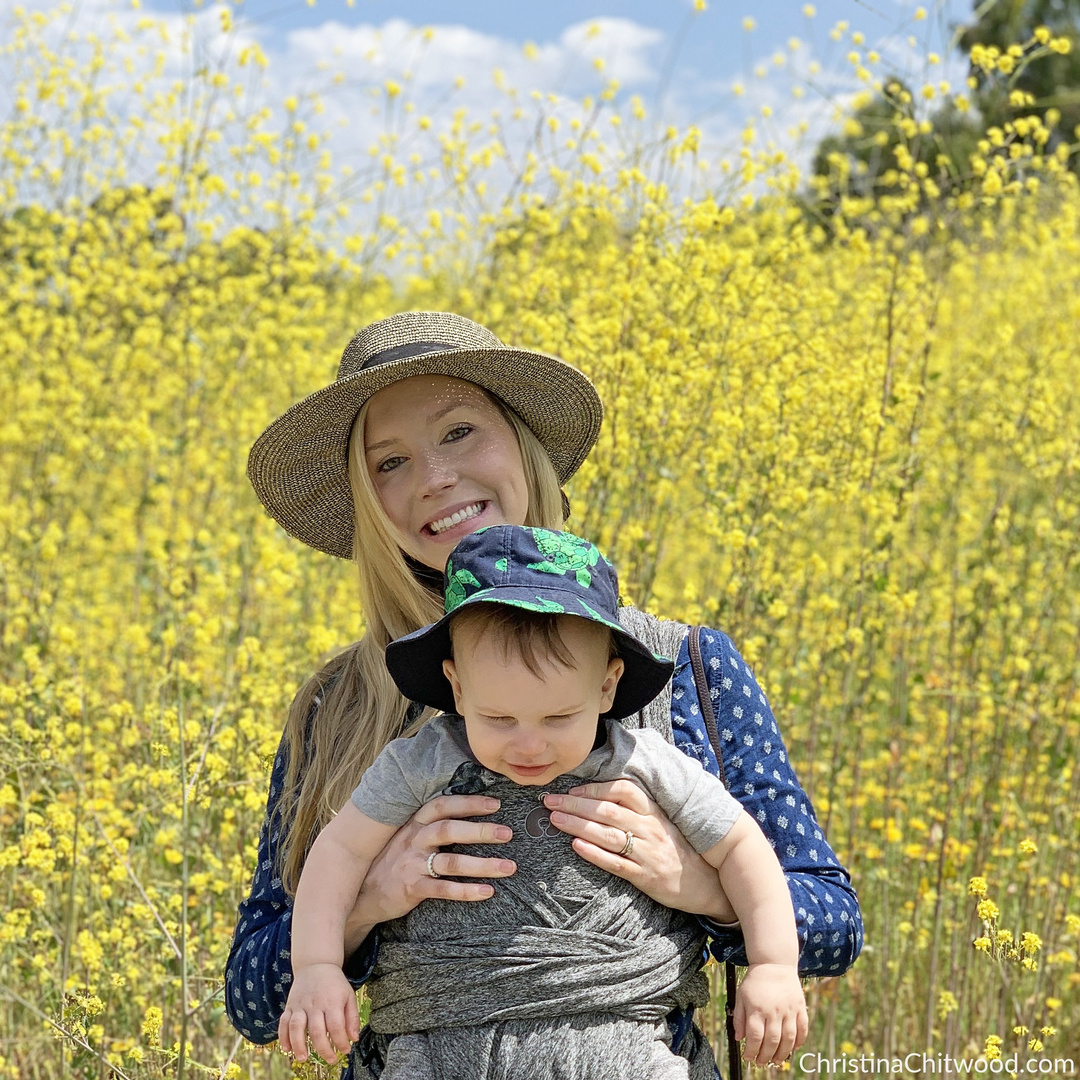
404, 352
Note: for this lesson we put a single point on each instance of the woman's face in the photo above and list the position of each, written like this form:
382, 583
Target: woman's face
444, 462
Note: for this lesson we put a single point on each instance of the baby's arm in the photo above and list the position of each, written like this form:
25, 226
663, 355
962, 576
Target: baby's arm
770, 1010
321, 1001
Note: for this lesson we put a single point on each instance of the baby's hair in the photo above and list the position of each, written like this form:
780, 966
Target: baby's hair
530, 636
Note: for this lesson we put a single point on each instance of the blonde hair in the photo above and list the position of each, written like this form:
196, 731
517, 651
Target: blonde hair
346, 713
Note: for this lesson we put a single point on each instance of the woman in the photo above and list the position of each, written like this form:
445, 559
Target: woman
433, 429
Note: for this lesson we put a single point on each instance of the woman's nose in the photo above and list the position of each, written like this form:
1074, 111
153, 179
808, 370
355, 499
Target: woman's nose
434, 475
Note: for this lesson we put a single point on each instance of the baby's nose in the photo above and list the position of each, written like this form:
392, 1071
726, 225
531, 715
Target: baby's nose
529, 745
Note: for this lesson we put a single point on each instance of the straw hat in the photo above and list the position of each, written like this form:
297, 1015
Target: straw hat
298, 464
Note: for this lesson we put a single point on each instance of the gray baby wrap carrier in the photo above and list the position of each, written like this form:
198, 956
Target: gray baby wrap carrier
566, 972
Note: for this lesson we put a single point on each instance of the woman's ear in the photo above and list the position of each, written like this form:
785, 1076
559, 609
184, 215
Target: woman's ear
451, 675
615, 668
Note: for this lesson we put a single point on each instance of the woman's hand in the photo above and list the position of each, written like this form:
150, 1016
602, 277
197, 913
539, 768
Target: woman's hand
661, 863
398, 879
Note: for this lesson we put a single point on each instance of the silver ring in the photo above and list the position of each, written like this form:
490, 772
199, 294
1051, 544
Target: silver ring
629, 845
430, 868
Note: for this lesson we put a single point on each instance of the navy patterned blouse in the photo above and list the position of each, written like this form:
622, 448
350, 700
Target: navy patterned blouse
759, 775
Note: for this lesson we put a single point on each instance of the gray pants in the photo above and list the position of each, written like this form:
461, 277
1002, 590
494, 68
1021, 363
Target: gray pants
582, 1047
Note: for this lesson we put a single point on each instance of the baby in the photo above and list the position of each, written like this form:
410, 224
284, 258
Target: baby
567, 971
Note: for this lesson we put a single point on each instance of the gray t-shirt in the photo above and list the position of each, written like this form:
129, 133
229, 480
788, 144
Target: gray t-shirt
410, 772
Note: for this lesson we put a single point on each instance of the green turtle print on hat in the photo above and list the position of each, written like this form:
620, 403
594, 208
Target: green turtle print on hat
550, 607
541, 603
563, 553
597, 617
456, 580
537, 570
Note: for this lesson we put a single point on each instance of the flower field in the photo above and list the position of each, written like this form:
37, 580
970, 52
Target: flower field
851, 440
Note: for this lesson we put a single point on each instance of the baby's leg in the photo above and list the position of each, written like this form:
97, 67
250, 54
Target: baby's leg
409, 1058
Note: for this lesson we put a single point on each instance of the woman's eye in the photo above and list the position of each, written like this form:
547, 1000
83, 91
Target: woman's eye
389, 464
459, 432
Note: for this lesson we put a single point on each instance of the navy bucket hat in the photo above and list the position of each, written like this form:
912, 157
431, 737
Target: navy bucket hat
538, 570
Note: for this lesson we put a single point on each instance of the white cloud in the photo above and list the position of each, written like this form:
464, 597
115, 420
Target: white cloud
433, 58
623, 45
443, 68
348, 67
371, 54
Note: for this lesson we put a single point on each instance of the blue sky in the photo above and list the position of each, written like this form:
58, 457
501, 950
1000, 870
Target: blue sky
715, 46
659, 50
791, 74
694, 58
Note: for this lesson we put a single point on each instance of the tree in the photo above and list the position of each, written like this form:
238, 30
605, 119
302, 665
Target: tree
1025, 60
887, 153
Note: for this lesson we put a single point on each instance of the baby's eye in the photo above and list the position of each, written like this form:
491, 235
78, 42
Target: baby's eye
389, 464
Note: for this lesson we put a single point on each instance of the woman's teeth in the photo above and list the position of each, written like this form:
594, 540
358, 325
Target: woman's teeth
455, 519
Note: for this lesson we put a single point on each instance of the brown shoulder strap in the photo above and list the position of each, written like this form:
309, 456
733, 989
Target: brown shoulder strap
705, 697
708, 714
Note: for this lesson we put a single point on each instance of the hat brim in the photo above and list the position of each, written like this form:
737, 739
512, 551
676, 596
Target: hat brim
415, 661
298, 465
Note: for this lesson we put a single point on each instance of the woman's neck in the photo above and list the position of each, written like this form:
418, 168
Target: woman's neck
431, 579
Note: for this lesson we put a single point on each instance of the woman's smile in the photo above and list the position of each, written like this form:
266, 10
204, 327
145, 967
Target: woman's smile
455, 516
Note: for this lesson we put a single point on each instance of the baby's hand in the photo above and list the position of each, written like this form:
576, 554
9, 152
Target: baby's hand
321, 1005
770, 1013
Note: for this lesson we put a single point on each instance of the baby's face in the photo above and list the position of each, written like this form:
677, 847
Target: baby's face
529, 728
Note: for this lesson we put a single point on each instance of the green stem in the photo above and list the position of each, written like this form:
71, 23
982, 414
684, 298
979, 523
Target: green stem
181, 1060
69, 928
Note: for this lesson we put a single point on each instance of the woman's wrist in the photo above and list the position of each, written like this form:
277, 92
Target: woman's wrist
356, 933
721, 912
360, 964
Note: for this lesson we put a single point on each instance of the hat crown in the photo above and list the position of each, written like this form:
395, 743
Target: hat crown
414, 328
527, 566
